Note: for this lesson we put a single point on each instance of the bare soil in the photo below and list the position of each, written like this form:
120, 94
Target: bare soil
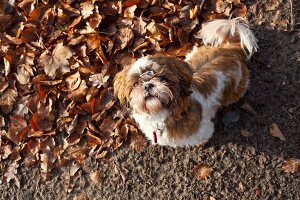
243, 167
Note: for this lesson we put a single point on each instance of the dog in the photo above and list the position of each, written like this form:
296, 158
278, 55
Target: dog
174, 101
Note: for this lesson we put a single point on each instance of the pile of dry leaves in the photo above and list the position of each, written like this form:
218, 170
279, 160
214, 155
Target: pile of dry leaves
58, 60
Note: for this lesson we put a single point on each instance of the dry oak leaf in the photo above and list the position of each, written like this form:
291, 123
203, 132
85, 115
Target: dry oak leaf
124, 37
202, 172
98, 80
7, 100
23, 76
86, 9
291, 165
72, 82
57, 60
11, 174
276, 132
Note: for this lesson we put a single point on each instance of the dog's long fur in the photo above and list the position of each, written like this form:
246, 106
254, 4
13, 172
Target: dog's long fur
179, 107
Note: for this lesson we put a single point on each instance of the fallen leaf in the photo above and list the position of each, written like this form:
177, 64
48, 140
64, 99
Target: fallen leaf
129, 11
6, 150
3, 85
11, 174
72, 82
276, 132
22, 75
86, 9
21, 106
82, 196
7, 100
57, 60
47, 162
99, 80
138, 141
2, 122
248, 108
246, 133
291, 165
202, 171
95, 177
123, 38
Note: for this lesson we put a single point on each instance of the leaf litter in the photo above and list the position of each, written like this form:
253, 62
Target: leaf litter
59, 60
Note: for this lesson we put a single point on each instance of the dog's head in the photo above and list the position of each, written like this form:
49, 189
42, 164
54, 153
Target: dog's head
153, 84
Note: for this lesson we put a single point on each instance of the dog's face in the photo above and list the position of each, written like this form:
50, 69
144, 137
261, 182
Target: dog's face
154, 84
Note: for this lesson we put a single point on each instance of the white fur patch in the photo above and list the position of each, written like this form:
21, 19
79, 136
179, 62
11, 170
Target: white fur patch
139, 66
191, 54
216, 31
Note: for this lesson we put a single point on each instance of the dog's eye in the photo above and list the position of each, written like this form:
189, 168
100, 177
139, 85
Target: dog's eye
161, 78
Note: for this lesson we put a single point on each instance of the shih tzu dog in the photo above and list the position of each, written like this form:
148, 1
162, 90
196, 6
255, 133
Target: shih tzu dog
174, 101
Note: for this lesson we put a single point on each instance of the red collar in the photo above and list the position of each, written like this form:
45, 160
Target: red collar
154, 137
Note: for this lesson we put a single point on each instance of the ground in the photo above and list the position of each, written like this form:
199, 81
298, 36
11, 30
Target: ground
242, 167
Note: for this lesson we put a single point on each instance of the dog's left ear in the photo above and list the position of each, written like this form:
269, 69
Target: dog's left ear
185, 75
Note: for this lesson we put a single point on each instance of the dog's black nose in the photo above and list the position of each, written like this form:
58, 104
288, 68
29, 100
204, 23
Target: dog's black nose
148, 86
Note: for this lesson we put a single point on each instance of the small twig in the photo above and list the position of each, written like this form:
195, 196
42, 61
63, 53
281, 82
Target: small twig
292, 16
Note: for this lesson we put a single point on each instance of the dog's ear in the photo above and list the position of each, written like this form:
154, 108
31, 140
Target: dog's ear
184, 87
121, 90
185, 74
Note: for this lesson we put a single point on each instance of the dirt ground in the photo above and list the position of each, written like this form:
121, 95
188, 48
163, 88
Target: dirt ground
243, 167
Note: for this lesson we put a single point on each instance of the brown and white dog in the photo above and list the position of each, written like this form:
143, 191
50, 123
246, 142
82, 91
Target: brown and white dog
174, 101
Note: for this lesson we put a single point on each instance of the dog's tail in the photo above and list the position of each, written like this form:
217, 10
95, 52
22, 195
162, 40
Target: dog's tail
221, 31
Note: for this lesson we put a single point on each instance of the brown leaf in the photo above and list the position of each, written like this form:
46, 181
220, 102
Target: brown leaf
72, 82
6, 150
129, 11
109, 124
92, 140
11, 174
2, 122
22, 75
138, 141
95, 177
47, 162
123, 38
248, 108
128, 3
246, 133
3, 85
276, 132
291, 165
99, 80
82, 196
80, 92
202, 171
56, 61
194, 12
7, 100
139, 27
86, 9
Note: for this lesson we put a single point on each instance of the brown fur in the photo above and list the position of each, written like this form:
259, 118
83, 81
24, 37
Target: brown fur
224, 59
187, 124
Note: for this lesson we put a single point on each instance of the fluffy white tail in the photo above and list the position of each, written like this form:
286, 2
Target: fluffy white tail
217, 31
